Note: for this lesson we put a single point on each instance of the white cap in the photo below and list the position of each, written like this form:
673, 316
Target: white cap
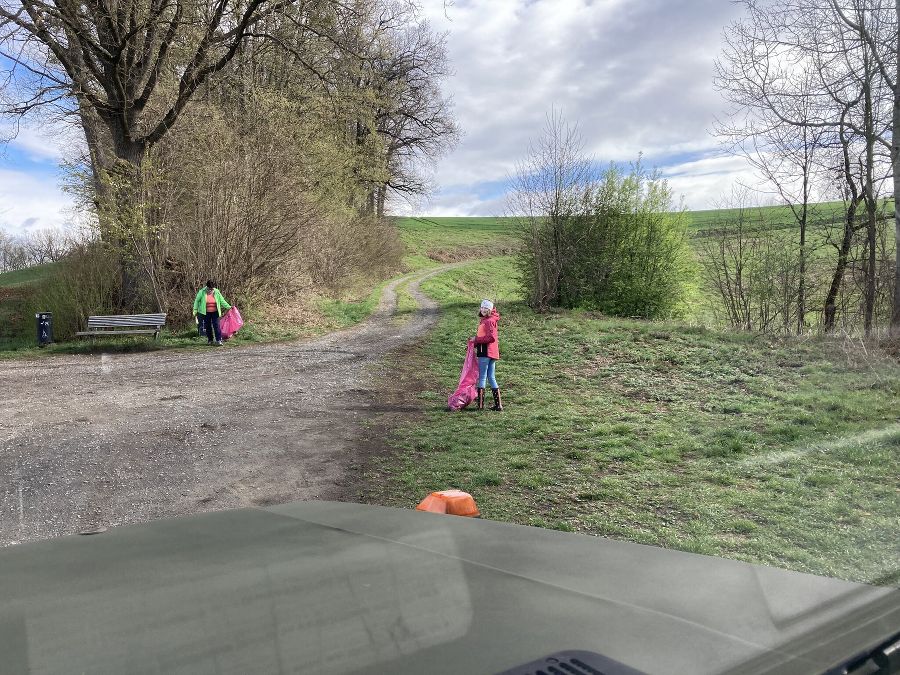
487, 304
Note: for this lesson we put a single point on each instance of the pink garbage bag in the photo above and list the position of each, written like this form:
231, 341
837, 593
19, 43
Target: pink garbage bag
231, 323
465, 392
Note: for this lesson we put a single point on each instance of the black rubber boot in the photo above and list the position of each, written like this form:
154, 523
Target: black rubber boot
479, 398
498, 404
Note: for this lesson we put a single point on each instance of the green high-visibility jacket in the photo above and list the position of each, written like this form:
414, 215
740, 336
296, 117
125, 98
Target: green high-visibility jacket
200, 302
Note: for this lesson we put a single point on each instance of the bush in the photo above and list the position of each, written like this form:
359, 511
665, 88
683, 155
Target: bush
627, 248
85, 282
614, 242
752, 271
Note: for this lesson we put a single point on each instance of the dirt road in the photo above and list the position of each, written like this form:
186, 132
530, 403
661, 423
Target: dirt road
98, 441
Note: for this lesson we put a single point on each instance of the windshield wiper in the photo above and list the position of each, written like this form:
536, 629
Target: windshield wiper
882, 660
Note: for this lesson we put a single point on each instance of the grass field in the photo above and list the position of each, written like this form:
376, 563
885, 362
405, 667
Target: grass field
778, 451
24, 277
486, 234
433, 241
775, 215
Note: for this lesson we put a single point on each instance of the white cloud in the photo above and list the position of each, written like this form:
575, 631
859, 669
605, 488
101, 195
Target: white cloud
455, 204
32, 201
707, 182
30, 192
636, 75
48, 142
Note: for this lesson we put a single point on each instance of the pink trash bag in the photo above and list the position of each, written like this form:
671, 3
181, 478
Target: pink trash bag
465, 392
231, 323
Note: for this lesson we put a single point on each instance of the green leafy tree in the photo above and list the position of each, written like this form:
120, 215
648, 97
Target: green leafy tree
613, 242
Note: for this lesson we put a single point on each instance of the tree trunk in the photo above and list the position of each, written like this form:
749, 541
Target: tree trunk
871, 203
895, 162
801, 289
371, 202
116, 176
121, 212
556, 297
838, 277
97, 147
871, 268
382, 197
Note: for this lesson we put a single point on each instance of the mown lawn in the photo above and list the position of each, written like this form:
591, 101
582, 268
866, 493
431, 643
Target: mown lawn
778, 451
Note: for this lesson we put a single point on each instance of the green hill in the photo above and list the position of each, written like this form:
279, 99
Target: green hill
15, 293
26, 277
440, 239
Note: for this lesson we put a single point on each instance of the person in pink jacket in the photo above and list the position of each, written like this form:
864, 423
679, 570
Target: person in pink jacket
487, 349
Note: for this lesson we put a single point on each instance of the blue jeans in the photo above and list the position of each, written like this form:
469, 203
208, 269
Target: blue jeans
211, 323
486, 372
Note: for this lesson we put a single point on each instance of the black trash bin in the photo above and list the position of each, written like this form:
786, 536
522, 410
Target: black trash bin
44, 324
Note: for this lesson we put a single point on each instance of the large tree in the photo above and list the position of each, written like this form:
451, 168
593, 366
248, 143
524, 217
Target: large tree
878, 26
785, 156
129, 67
397, 67
413, 116
129, 70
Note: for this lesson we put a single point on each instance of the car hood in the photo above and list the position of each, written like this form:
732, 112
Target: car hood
337, 588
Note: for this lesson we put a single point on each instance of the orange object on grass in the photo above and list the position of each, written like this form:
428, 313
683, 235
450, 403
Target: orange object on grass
452, 502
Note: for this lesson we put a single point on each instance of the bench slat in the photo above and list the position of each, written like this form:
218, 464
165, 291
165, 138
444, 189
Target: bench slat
125, 324
148, 318
116, 332
129, 316
126, 320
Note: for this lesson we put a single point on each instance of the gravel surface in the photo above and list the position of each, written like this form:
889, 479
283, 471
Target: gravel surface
96, 441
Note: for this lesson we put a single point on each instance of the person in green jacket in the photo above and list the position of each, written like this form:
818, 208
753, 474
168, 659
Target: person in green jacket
209, 304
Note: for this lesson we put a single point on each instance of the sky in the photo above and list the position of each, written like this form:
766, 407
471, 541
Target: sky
635, 75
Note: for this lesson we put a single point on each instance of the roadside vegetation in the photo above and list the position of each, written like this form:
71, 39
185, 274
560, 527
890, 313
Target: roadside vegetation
429, 242
262, 160
22, 293
770, 449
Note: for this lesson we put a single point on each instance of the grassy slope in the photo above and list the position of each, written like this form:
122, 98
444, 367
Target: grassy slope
24, 277
433, 234
15, 290
775, 215
452, 239
782, 452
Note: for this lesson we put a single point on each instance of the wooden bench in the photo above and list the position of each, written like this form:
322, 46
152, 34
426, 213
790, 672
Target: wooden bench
125, 324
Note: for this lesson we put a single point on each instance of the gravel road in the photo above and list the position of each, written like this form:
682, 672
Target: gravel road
96, 441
